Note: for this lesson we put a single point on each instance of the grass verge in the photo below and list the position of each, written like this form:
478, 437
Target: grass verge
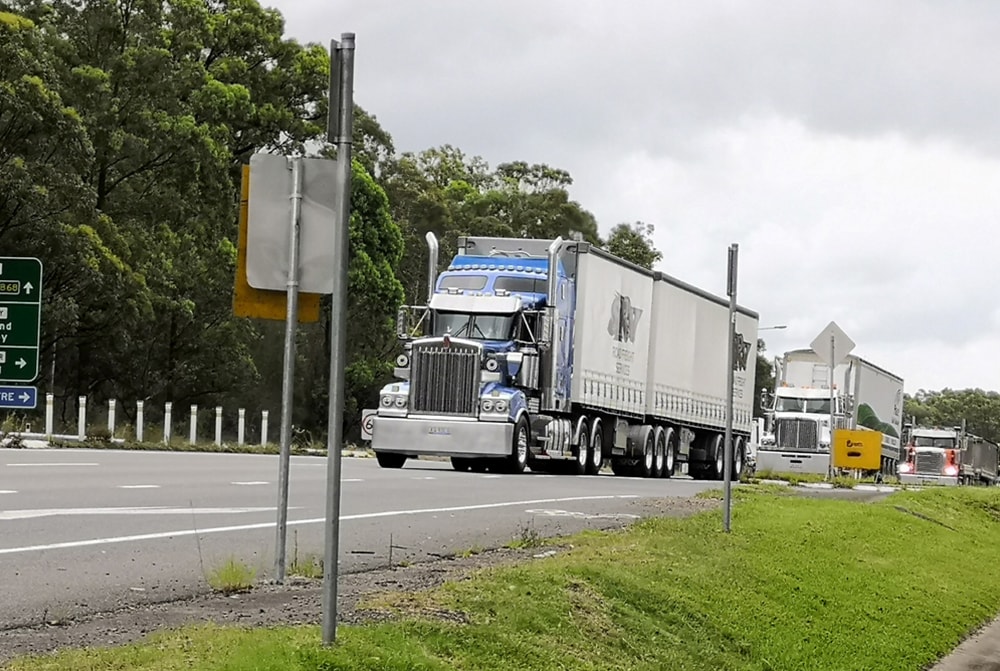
800, 583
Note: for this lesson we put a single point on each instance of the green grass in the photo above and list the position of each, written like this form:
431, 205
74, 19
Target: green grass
232, 577
800, 583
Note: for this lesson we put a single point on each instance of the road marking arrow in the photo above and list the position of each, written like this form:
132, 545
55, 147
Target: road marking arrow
28, 287
21, 363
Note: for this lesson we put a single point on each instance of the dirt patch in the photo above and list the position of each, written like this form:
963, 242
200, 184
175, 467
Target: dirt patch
299, 600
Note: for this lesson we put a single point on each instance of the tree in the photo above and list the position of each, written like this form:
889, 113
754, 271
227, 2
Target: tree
444, 191
173, 97
948, 408
634, 242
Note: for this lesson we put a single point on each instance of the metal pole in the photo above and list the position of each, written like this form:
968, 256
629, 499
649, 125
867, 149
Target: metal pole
288, 374
343, 81
833, 398
728, 452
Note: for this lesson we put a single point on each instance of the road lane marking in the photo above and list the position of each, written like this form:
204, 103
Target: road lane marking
8, 491
138, 486
318, 520
352, 480
55, 463
146, 510
251, 483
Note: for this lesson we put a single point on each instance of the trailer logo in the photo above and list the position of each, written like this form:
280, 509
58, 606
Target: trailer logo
624, 319
741, 351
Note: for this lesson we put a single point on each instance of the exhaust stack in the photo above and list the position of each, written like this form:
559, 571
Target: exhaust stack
553, 282
432, 264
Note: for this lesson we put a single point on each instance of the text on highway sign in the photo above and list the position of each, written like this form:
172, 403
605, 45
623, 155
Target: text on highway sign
18, 398
20, 318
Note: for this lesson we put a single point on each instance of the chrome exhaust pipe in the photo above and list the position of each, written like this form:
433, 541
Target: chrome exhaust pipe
432, 264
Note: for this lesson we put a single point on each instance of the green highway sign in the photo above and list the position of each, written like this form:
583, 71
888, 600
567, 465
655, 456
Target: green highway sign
20, 318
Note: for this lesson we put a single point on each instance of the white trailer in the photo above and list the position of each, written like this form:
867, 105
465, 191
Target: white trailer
864, 396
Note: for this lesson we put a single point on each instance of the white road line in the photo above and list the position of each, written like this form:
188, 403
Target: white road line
148, 510
352, 480
250, 483
56, 463
138, 486
317, 520
8, 491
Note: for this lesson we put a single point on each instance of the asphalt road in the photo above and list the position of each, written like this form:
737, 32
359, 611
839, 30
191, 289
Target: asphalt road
87, 530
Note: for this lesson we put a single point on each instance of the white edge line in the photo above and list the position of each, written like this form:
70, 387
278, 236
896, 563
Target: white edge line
138, 486
8, 491
318, 520
55, 463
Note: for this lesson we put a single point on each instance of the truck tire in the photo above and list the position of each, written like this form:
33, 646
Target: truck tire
659, 451
669, 452
390, 459
718, 456
579, 464
517, 460
738, 458
595, 452
648, 463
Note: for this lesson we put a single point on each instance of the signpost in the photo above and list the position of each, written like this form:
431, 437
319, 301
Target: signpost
832, 346
20, 318
727, 450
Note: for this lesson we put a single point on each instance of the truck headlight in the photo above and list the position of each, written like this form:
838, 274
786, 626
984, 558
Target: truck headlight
402, 361
487, 405
386, 400
500, 406
400, 401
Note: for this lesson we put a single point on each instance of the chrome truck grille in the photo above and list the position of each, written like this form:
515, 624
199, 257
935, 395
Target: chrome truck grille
796, 434
444, 380
929, 462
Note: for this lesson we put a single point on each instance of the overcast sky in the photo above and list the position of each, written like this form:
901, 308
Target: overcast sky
851, 149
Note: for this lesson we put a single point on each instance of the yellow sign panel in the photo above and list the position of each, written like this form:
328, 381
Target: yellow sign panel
857, 449
262, 303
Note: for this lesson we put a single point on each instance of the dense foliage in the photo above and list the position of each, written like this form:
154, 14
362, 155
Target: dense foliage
123, 126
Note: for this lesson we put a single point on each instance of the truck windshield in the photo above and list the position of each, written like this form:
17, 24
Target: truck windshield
810, 405
474, 326
925, 441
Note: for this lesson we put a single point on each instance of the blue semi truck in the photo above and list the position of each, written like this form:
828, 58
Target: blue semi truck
558, 356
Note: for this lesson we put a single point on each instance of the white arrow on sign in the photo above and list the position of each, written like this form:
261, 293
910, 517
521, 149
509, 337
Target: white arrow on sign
28, 287
25, 397
21, 363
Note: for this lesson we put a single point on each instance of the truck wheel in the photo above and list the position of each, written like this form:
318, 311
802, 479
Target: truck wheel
461, 463
579, 465
646, 466
718, 451
517, 460
390, 459
596, 452
669, 452
738, 447
659, 449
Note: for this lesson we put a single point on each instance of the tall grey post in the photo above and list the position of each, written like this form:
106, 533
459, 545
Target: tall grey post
728, 451
833, 399
339, 133
288, 371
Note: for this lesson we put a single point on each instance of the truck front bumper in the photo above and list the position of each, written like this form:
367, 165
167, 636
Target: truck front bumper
927, 479
784, 461
415, 436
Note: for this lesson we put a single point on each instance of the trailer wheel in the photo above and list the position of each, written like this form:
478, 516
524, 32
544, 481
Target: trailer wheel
517, 460
659, 449
579, 465
669, 452
390, 459
595, 455
648, 463
738, 454
718, 453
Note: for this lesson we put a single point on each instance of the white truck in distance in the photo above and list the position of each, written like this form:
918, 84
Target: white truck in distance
557, 355
864, 397
949, 456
